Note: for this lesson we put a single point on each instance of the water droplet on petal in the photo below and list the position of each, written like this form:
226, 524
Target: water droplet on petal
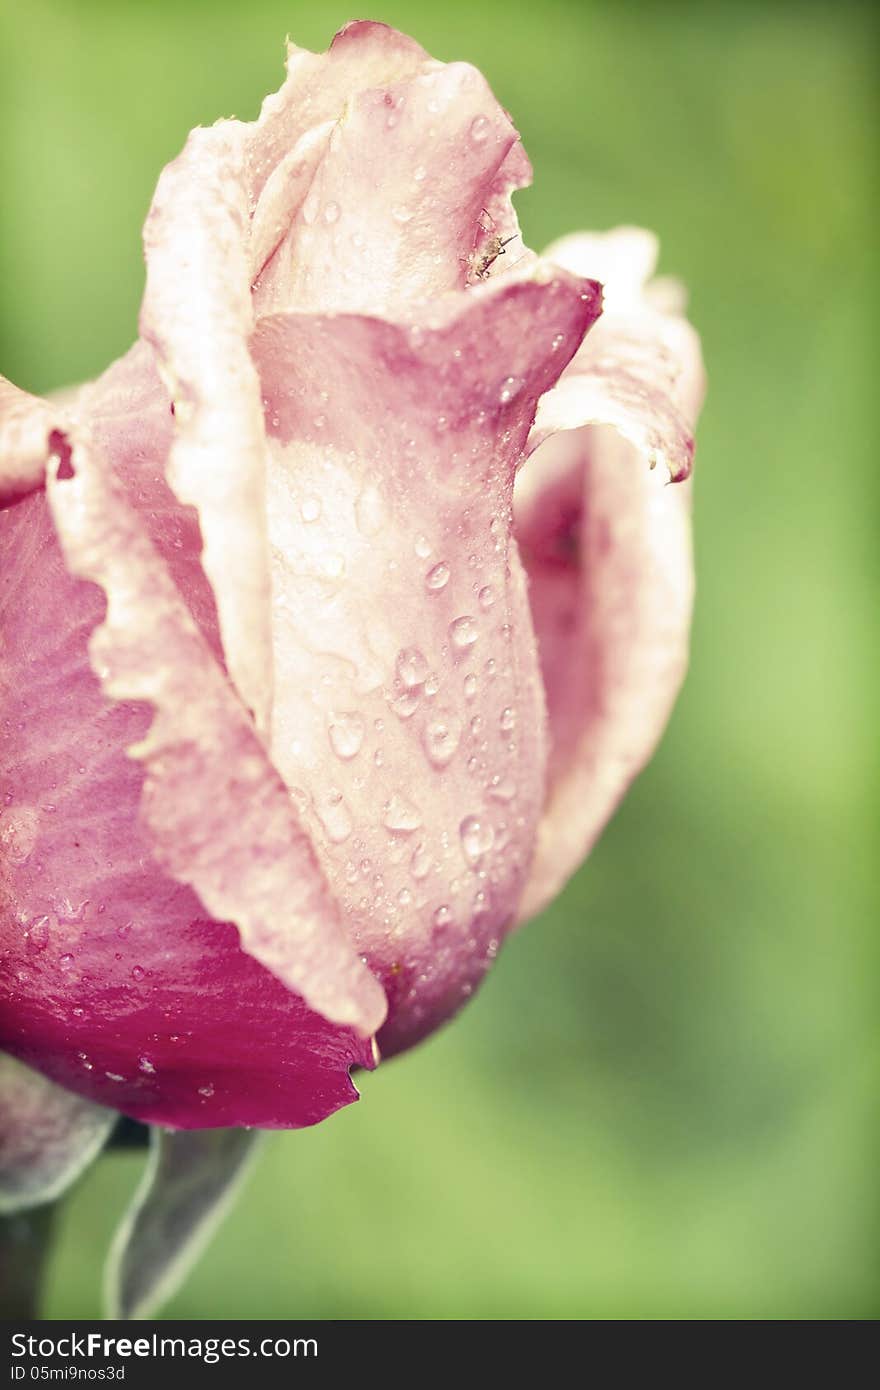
400, 815
310, 208
422, 547
412, 668
146, 1066
401, 214
477, 838
508, 719
420, 864
443, 916
331, 213
441, 738
470, 686
405, 705
335, 816
501, 788
65, 962
137, 972
463, 632
438, 577
420, 173
486, 596
310, 508
510, 387
480, 128
38, 933
206, 1091
346, 734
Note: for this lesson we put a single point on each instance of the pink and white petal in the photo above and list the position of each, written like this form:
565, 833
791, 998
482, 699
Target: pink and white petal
410, 709
219, 814
641, 369
48, 1136
395, 208
114, 980
607, 546
197, 315
26, 422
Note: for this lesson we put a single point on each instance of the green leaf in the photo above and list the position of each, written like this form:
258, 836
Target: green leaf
48, 1136
190, 1181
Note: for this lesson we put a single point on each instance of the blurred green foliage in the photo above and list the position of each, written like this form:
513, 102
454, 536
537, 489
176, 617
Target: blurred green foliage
662, 1105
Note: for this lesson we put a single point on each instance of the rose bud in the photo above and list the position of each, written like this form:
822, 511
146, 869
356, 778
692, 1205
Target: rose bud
304, 705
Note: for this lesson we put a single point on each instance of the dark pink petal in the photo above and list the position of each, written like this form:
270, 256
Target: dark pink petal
409, 709
47, 1136
606, 544
115, 981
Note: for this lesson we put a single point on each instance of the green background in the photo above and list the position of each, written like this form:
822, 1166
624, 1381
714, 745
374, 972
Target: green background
663, 1103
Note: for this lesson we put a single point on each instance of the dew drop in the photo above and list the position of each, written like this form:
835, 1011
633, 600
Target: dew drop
406, 704
310, 508
404, 897
477, 838
346, 734
507, 719
486, 596
400, 815
331, 213
470, 686
146, 1066
113, 1076
206, 1091
310, 208
441, 738
480, 128
510, 387
420, 173
38, 933
411, 667
438, 577
65, 962
335, 817
420, 864
501, 788
422, 547
401, 214
463, 632
123, 930
443, 916
137, 972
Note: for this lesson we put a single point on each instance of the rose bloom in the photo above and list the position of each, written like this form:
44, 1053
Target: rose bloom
337, 615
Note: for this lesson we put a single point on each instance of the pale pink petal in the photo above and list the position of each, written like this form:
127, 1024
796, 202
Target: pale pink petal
606, 544
197, 314
395, 207
640, 370
409, 710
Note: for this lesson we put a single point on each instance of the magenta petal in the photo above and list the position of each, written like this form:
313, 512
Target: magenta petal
606, 544
115, 981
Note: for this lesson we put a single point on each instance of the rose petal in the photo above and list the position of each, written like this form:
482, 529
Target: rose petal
101, 950
409, 710
25, 425
48, 1136
640, 370
197, 314
190, 1181
606, 545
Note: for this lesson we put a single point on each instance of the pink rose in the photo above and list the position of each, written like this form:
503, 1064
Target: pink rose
304, 704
